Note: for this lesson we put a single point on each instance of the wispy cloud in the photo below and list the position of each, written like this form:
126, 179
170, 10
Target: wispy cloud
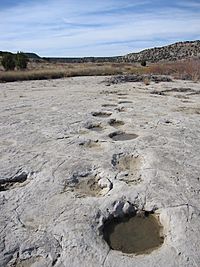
87, 28
188, 4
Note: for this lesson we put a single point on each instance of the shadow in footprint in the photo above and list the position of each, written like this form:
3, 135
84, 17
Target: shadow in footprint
116, 123
122, 136
101, 114
122, 94
125, 102
94, 127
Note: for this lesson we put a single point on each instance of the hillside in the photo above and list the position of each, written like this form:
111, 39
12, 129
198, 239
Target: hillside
173, 52
177, 51
29, 55
32, 55
82, 59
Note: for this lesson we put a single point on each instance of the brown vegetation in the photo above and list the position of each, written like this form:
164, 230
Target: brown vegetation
11, 76
38, 71
188, 69
185, 70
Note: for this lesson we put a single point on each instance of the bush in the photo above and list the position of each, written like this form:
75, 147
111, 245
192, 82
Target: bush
185, 69
8, 62
143, 63
21, 61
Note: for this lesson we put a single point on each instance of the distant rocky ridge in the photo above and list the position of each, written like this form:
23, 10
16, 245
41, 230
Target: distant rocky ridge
177, 51
83, 59
173, 52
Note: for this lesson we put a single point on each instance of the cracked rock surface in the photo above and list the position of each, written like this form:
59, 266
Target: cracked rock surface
60, 179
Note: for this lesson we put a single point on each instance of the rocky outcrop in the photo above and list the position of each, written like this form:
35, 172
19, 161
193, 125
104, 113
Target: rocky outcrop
137, 78
177, 51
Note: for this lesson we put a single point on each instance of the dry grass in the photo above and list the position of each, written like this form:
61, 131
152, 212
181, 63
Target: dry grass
11, 76
185, 70
39, 71
188, 69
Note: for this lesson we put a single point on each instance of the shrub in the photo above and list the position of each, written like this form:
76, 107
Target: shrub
8, 62
21, 61
186, 70
143, 63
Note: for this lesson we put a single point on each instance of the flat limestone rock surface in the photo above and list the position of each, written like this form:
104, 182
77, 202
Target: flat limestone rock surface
75, 151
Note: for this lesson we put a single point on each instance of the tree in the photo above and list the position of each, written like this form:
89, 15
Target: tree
8, 62
21, 61
143, 63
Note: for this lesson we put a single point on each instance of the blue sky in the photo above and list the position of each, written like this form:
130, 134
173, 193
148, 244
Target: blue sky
74, 28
